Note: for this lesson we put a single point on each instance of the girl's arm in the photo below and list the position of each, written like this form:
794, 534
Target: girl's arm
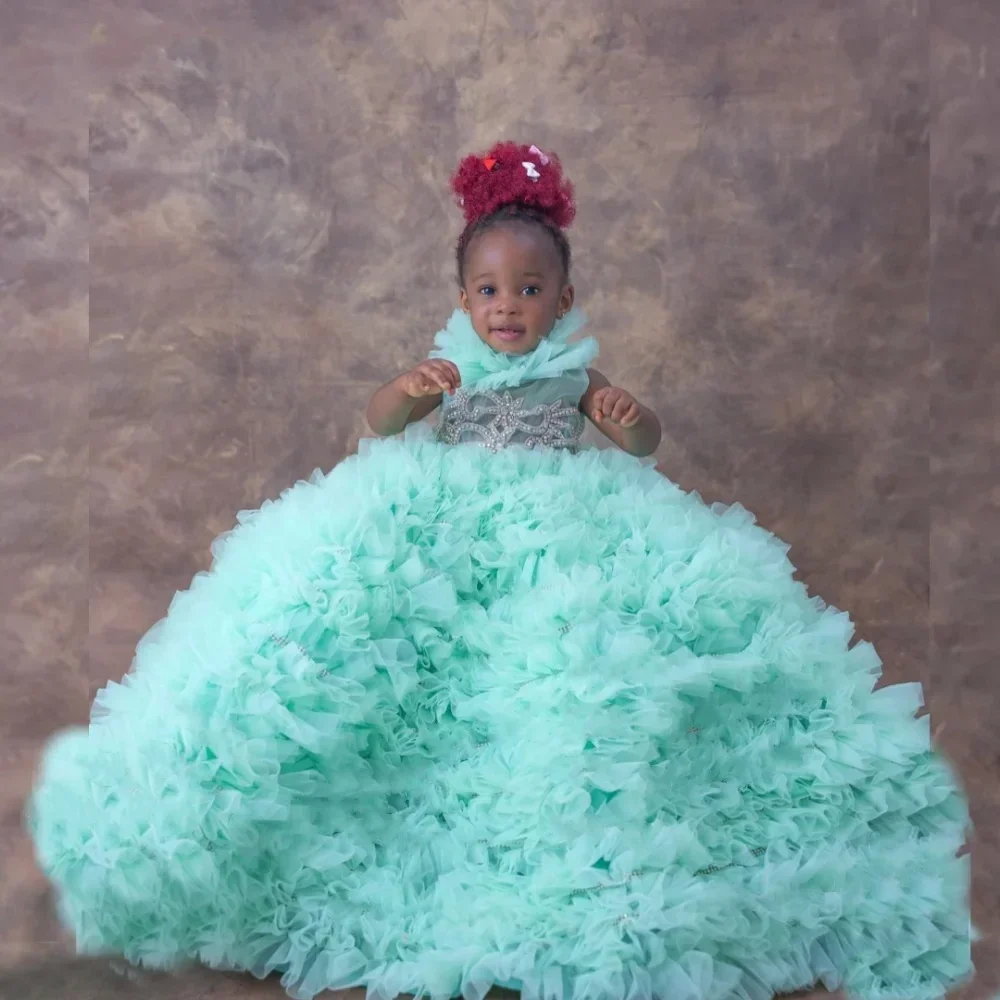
620, 417
411, 396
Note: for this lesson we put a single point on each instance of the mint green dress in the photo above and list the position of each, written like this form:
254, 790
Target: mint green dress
482, 707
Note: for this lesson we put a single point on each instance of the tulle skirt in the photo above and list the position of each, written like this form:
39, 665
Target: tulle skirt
443, 719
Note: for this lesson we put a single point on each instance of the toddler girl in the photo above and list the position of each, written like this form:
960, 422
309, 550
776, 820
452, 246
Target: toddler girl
483, 707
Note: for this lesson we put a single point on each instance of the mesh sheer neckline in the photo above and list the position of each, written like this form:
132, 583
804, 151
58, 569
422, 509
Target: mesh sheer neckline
483, 368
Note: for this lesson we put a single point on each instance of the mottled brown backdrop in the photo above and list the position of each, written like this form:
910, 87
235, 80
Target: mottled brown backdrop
223, 222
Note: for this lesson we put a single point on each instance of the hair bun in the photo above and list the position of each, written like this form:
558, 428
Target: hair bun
483, 186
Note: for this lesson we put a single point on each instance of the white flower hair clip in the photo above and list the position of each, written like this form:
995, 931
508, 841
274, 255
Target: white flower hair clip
532, 170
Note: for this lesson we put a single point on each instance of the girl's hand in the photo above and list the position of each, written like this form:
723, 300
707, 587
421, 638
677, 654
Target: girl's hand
430, 378
615, 405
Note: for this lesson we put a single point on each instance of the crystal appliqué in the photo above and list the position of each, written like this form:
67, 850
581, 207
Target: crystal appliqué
498, 420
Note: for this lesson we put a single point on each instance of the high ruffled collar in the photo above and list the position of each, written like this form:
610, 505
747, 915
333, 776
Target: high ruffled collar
480, 365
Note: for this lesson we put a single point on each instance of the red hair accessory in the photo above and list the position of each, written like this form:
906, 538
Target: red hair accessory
514, 174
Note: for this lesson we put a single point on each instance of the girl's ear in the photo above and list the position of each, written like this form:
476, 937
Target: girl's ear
566, 298
463, 300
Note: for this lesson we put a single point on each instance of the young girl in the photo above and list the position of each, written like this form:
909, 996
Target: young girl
485, 707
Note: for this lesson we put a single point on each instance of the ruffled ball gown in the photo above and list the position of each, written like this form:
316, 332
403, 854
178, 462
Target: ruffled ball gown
484, 707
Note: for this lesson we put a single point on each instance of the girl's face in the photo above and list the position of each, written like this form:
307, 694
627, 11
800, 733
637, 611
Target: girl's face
515, 289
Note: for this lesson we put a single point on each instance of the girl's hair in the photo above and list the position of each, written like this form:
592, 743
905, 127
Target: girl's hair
513, 183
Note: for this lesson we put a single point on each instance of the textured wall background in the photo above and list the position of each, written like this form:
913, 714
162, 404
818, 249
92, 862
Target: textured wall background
224, 222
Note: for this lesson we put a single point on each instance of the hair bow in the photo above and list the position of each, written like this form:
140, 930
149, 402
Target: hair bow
542, 158
531, 169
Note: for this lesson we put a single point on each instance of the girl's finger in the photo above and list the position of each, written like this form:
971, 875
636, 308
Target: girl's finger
448, 373
632, 417
622, 405
439, 368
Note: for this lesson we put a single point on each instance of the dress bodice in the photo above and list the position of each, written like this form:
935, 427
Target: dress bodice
532, 400
544, 413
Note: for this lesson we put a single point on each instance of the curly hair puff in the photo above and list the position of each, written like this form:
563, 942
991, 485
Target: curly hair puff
499, 188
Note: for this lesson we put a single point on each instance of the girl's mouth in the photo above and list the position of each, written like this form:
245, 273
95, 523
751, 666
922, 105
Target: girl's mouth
508, 333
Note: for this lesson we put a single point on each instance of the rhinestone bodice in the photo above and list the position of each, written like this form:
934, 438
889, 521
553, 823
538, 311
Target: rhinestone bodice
543, 414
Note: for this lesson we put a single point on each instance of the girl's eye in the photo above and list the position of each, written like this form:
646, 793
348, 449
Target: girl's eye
530, 290
486, 290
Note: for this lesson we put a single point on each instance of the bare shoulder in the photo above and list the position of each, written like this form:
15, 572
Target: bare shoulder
597, 382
